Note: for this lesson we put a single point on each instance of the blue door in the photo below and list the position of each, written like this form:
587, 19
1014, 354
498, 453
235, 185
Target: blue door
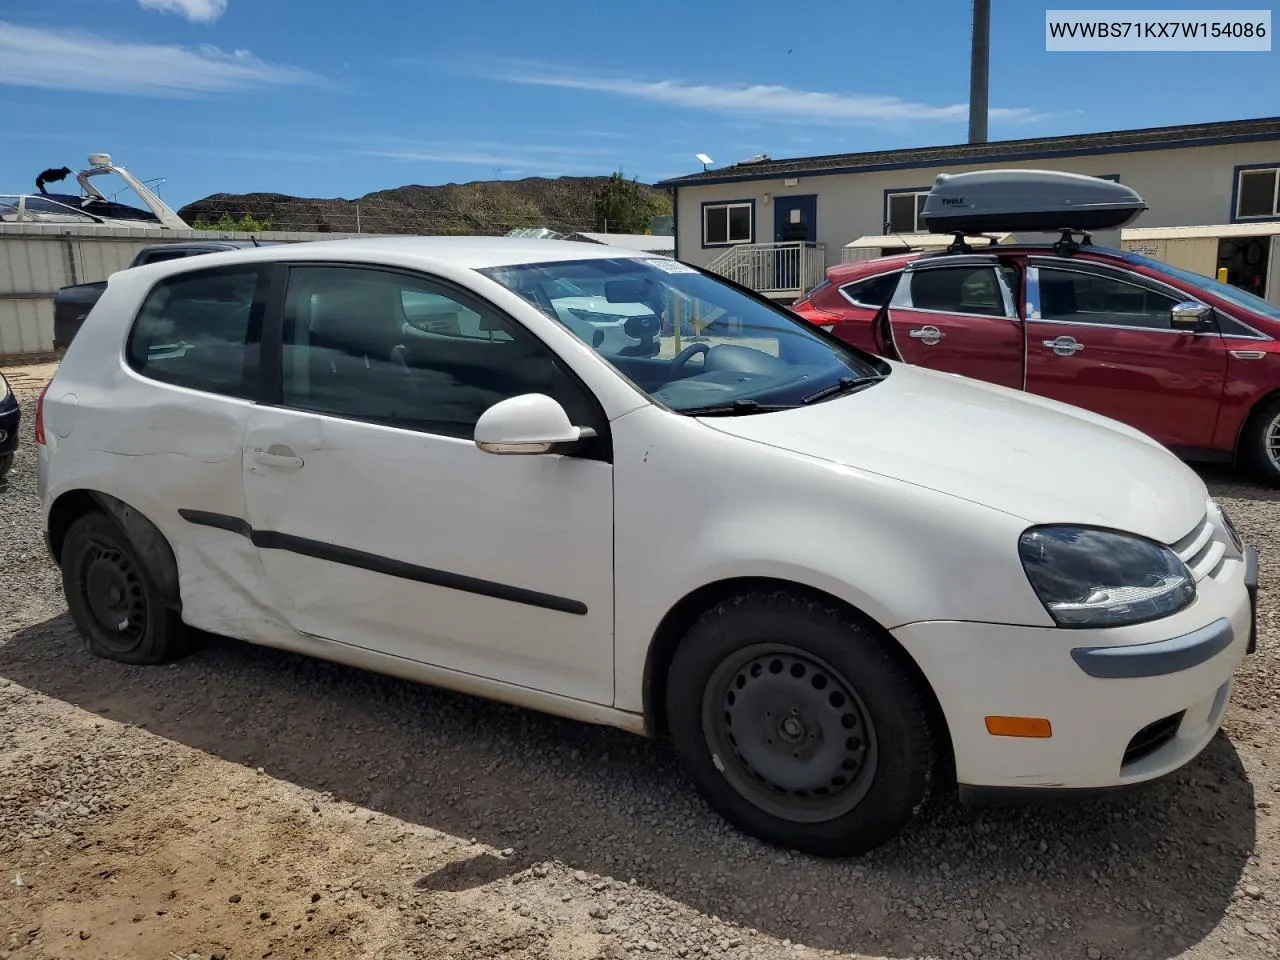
794, 219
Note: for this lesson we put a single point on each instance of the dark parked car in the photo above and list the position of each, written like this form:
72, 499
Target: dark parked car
73, 303
10, 415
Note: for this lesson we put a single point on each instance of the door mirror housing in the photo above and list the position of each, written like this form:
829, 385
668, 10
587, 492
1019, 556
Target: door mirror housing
1189, 316
533, 423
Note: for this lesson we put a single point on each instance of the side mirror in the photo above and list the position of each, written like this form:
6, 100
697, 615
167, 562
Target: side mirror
529, 424
1189, 316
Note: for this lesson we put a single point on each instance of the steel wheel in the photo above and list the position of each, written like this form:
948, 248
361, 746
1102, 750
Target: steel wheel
114, 594
789, 733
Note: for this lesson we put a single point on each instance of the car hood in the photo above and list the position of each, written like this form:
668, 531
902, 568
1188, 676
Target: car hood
1039, 460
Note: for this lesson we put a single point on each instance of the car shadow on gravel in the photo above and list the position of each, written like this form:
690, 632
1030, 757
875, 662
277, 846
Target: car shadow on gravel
1144, 876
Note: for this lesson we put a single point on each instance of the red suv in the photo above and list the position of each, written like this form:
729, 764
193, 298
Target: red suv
1191, 361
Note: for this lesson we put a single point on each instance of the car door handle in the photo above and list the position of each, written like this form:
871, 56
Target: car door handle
927, 335
278, 456
1064, 346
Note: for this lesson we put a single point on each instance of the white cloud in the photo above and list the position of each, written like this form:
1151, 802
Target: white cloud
73, 60
198, 11
756, 100
535, 159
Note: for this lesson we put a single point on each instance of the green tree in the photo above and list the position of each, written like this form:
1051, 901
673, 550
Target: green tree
246, 224
625, 206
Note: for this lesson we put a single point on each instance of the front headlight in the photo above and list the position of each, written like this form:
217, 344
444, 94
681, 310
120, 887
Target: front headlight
4, 388
1099, 578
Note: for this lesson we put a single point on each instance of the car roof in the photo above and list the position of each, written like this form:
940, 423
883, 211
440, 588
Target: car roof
465, 252
842, 273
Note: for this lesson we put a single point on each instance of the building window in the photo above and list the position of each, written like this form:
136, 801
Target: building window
726, 223
902, 211
1256, 194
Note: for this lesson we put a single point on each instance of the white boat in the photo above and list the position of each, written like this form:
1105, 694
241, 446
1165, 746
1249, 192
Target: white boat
93, 205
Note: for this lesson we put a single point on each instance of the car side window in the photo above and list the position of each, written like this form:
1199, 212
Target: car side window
1073, 297
402, 351
961, 289
873, 291
203, 330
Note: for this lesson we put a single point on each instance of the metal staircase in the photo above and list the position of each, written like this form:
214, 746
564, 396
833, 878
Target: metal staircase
781, 271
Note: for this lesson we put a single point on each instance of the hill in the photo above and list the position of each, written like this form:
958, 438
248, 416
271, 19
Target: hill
485, 207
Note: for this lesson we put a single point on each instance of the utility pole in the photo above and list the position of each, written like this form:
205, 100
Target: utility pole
979, 68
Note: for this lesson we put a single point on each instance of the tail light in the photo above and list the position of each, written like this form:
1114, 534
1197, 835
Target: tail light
819, 318
40, 414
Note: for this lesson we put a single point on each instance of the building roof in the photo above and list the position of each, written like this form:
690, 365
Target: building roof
1200, 231
649, 243
1117, 141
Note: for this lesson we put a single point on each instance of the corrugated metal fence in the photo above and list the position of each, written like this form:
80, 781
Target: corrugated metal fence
37, 259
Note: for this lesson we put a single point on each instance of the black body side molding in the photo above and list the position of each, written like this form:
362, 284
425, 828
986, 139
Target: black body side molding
270, 540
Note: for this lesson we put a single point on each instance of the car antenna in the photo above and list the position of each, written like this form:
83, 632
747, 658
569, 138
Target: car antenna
254, 238
889, 232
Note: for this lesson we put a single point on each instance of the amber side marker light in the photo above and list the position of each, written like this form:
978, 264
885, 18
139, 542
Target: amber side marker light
1019, 727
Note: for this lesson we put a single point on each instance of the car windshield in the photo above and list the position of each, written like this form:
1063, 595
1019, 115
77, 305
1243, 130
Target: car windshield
690, 341
1226, 291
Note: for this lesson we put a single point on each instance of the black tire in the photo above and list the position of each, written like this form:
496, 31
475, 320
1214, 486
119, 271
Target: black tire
1256, 443
113, 599
740, 657
6, 464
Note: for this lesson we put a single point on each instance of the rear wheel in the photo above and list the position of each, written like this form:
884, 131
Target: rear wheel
800, 724
113, 600
1260, 444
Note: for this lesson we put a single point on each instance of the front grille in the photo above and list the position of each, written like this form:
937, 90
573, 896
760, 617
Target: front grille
1151, 738
1202, 549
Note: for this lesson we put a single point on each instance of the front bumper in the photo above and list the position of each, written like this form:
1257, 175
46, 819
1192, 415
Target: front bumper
1125, 705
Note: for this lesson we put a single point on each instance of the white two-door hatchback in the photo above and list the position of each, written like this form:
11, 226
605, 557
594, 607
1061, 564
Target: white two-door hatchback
833, 581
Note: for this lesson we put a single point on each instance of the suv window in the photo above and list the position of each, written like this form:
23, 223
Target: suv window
964, 289
873, 291
203, 331
1073, 297
403, 351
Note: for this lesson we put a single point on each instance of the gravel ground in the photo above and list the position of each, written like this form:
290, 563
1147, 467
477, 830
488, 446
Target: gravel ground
249, 803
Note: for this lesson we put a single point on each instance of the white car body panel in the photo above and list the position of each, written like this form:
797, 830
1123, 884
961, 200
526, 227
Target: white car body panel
445, 505
904, 500
1043, 461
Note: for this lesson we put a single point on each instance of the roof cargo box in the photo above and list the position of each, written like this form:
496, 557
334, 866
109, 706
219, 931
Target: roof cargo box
1037, 201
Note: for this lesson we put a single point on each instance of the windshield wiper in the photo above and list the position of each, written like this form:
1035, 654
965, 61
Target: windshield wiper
735, 409
843, 385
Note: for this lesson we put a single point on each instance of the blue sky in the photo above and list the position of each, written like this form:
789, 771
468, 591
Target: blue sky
331, 98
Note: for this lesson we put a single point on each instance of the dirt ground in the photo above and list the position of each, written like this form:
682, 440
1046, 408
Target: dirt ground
246, 803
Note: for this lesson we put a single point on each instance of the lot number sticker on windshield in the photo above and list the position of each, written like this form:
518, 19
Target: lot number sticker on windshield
672, 266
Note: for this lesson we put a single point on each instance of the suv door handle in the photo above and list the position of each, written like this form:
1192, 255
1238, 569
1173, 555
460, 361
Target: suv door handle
927, 335
1064, 346
278, 455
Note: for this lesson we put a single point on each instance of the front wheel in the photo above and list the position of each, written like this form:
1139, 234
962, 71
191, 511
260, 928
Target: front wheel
1260, 443
799, 724
114, 601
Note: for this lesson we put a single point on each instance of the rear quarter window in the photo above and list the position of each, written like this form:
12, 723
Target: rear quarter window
873, 291
203, 331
